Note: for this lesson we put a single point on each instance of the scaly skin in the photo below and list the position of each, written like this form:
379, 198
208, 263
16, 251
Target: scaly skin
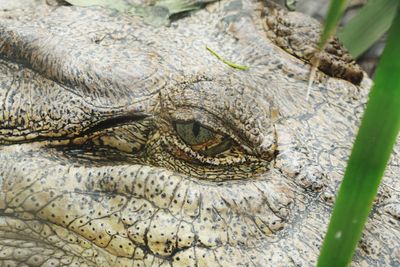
94, 172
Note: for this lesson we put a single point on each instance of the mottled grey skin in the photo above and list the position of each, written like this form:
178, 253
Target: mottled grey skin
94, 173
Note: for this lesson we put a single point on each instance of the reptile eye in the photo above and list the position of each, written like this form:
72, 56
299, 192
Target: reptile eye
201, 139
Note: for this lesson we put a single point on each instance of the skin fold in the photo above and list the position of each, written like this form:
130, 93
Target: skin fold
126, 144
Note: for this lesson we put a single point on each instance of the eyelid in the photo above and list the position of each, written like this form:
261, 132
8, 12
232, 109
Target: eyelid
189, 154
220, 148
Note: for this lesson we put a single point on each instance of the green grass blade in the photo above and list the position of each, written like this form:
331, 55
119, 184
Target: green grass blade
372, 21
371, 151
335, 12
227, 62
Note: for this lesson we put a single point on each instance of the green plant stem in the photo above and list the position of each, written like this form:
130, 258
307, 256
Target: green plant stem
370, 154
335, 12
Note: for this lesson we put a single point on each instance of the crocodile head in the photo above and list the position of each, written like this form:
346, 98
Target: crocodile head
124, 144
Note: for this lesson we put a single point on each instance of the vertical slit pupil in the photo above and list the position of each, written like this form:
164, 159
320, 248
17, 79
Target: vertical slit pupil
196, 128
